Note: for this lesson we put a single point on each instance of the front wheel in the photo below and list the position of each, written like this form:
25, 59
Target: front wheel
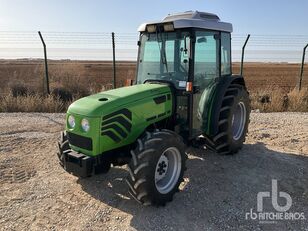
157, 167
63, 147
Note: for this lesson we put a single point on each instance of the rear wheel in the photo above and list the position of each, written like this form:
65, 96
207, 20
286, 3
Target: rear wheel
233, 121
157, 167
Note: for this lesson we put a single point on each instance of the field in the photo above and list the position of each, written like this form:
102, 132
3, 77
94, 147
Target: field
93, 76
37, 194
271, 85
98, 75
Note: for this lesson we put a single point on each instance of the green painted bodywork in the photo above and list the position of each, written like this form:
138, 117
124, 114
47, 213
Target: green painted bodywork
211, 100
138, 99
205, 107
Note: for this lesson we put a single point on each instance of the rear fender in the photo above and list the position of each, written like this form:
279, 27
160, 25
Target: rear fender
211, 101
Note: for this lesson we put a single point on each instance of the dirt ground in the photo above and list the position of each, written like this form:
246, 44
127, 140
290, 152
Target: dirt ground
37, 194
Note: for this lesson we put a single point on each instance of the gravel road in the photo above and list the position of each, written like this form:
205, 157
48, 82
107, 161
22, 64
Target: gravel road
219, 191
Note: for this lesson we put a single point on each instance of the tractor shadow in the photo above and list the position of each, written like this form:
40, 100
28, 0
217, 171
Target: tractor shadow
218, 191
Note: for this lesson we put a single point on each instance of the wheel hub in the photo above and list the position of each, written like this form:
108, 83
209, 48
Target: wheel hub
168, 169
238, 121
161, 168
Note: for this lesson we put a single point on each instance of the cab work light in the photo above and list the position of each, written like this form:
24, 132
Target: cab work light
151, 28
168, 27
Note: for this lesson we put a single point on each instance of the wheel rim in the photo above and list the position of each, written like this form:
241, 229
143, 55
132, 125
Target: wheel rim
238, 121
168, 170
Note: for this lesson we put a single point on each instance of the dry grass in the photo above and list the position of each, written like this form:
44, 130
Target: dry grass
32, 103
298, 101
22, 98
276, 100
266, 100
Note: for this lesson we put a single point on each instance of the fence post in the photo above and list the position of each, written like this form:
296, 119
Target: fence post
114, 62
46, 65
302, 69
243, 53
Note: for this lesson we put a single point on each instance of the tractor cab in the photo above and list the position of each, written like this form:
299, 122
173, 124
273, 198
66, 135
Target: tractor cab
191, 51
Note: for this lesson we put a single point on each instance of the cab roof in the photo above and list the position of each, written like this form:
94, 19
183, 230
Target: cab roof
192, 19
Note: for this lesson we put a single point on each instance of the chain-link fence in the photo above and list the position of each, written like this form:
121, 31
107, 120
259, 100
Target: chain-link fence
83, 60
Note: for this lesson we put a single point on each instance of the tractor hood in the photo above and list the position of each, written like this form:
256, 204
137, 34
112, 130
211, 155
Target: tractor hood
107, 101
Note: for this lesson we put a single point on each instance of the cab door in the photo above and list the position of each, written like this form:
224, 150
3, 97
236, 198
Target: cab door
206, 72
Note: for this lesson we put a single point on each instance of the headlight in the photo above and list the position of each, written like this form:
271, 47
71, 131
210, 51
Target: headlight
85, 125
71, 121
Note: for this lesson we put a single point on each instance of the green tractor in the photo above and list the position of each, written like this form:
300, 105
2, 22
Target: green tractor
184, 94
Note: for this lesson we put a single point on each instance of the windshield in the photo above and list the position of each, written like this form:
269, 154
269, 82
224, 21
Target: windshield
164, 56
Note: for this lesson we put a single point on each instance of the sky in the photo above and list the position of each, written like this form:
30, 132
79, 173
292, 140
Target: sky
259, 17
262, 17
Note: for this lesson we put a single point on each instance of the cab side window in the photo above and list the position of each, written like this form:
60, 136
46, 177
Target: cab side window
225, 53
206, 57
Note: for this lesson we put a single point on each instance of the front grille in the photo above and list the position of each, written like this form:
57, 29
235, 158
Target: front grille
80, 141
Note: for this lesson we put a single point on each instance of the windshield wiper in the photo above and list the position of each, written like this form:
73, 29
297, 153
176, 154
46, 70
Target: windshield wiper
163, 56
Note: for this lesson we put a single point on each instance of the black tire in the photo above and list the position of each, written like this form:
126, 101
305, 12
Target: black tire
63, 147
227, 140
142, 183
